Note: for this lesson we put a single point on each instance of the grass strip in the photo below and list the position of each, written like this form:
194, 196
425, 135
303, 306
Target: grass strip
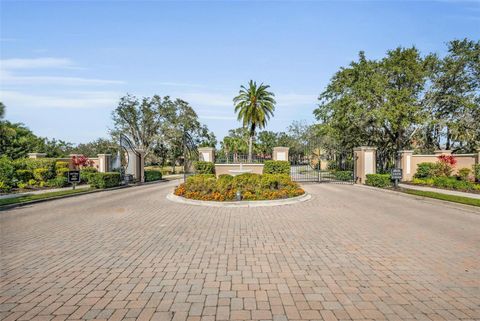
444, 197
35, 197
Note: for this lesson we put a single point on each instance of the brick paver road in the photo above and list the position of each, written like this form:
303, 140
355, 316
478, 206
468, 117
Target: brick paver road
348, 254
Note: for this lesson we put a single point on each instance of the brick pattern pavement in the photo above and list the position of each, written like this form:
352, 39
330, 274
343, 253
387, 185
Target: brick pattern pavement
348, 254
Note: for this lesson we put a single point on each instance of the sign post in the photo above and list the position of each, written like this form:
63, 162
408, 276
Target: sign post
396, 175
74, 177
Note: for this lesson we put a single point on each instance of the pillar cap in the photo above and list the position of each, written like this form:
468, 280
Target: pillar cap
443, 151
406, 151
282, 147
37, 154
365, 148
104, 154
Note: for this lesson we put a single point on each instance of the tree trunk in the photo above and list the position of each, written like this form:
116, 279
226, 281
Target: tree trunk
250, 143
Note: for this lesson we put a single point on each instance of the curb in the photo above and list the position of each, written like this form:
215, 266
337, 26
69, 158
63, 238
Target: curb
245, 204
470, 208
10, 206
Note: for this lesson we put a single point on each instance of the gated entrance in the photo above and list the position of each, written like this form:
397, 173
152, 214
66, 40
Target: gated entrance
313, 164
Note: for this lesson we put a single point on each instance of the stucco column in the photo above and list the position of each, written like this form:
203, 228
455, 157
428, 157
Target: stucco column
36, 155
365, 162
104, 162
406, 164
280, 153
478, 157
206, 154
140, 166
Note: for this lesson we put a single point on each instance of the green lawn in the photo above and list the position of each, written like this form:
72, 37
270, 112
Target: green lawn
34, 197
445, 197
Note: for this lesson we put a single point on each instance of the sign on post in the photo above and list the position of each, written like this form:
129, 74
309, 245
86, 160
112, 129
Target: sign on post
396, 175
74, 177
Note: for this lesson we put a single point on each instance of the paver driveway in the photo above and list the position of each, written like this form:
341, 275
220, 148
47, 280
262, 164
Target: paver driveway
349, 254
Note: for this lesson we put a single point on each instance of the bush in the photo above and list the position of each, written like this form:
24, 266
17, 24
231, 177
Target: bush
104, 180
33, 164
276, 167
379, 180
61, 164
247, 182
152, 175
202, 167
252, 187
343, 175
4, 187
86, 173
59, 181
7, 171
453, 183
24, 175
62, 172
426, 170
464, 174
476, 172
41, 174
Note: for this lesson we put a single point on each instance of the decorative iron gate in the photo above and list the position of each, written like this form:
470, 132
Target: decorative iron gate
316, 165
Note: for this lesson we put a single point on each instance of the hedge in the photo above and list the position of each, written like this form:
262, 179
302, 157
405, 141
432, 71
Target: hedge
276, 167
152, 175
425, 170
104, 180
24, 175
343, 175
86, 173
202, 167
379, 180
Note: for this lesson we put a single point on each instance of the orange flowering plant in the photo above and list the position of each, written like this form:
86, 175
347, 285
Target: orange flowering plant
251, 186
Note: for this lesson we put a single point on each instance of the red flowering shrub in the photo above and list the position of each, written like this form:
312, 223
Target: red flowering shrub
81, 161
445, 165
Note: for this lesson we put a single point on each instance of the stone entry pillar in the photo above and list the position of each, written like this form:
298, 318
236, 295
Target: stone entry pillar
206, 154
36, 155
406, 164
365, 162
104, 162
280, 153
136, 164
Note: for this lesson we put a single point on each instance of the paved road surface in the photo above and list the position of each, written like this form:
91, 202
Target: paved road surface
349, 254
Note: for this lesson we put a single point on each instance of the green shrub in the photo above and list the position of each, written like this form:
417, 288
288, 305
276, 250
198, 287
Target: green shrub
464, 174
59, 181
426, 170
33, 164
275, 181
247, 182
224, 183
476, 172
453, 183
4, 187
422, 181
7, 171
86, 173
152, 175
62, 172
41, 174
343, 175
379, 180
202, 167
61, 164
276, 167
104, 180
32, 182
24, 175
201, 183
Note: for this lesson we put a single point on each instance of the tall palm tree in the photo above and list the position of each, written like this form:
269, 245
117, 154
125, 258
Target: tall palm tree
254, 105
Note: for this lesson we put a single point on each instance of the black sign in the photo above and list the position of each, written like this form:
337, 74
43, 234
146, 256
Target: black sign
74, 176
396, 173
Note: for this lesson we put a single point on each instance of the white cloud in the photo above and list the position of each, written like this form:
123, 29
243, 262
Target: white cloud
7, 78
68, 100
35, 63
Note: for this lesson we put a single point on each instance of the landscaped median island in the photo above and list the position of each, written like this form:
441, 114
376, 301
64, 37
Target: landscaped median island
207, 187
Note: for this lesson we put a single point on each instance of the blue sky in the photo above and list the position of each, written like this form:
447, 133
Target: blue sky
65, 64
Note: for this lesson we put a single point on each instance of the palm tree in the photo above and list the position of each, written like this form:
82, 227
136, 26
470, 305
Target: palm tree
255, 106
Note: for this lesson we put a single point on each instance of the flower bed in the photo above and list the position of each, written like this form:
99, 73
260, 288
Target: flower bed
450, 183
251, 186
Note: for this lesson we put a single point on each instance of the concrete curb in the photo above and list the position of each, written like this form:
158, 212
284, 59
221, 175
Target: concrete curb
10, 206
470, 208
294, 200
